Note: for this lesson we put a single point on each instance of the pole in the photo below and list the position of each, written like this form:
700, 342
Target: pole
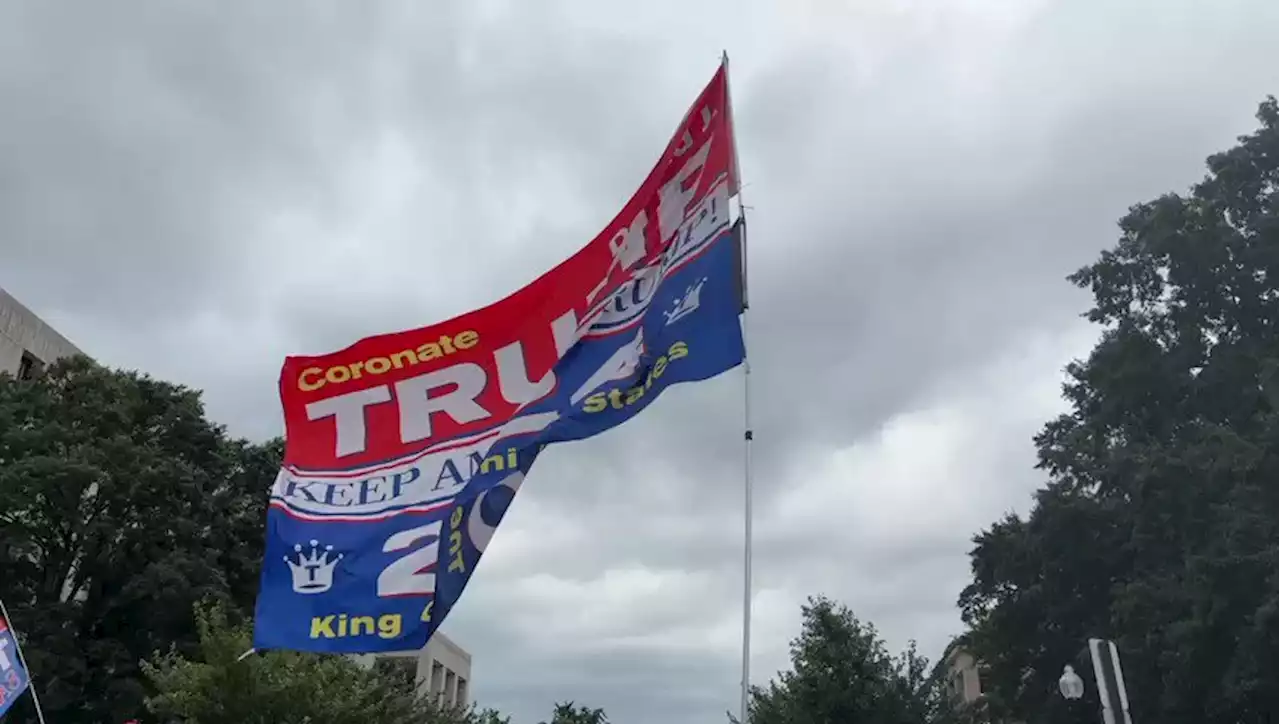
31, 681
1112, 693
747, 513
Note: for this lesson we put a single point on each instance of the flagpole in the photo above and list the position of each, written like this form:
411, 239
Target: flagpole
31, 680
747, 513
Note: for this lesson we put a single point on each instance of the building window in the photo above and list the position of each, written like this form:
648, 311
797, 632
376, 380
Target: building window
450, 688
436, 685
29, 366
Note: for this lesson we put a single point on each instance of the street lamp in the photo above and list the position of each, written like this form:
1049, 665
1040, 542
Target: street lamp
1071, 685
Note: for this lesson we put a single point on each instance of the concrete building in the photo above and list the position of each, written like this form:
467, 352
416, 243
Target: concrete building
964, 681
27, 343
442, 670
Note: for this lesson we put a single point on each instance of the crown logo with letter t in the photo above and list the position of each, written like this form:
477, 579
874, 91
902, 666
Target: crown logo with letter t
313, 571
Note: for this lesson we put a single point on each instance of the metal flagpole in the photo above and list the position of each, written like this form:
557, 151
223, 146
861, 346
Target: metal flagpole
746, 498
31, 681
743, 704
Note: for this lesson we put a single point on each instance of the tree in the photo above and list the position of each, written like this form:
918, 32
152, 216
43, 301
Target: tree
281, 687
568, 713
120, 507
1158, 527
841, 672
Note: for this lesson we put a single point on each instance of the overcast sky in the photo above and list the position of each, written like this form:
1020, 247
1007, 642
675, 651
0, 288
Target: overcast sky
198, 189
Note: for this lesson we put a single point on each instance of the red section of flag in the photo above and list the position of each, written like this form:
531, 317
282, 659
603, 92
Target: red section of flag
500, 352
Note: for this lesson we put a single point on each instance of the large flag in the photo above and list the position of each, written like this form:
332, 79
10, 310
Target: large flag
13, 677
404, 450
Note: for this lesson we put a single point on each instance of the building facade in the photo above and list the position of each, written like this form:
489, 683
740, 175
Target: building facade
441, 670
27, 343
964, 681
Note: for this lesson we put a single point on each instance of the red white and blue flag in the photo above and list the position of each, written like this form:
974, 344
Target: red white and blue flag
404, 450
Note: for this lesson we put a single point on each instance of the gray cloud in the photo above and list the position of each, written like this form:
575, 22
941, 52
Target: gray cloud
198, 193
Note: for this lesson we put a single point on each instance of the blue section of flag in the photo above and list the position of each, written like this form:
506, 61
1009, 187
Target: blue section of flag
13, 678
322, 578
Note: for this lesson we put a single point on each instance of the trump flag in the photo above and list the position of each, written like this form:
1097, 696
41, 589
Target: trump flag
13, 677
404, 450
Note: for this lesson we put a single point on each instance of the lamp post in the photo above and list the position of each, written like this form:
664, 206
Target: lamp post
1070, 684
1108, 678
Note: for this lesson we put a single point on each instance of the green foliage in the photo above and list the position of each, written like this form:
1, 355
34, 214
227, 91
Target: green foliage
568, 713
842, 672
280, 687
120, 507
1158, 528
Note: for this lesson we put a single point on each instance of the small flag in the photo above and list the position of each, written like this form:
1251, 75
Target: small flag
13, 677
